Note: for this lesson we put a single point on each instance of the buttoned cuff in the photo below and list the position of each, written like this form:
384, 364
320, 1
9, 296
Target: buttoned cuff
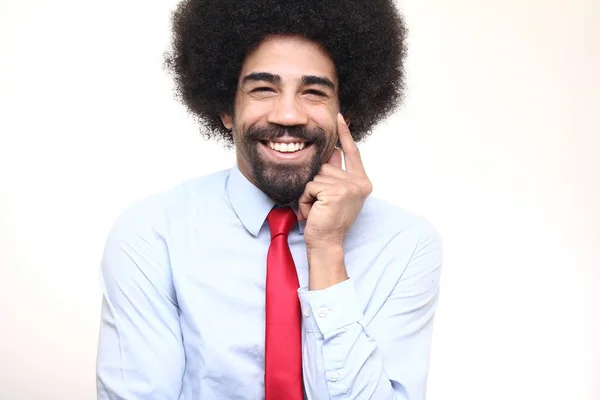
330, 309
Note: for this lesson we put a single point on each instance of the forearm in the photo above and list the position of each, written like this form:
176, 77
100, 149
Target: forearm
341, 359
369, 337
140, 350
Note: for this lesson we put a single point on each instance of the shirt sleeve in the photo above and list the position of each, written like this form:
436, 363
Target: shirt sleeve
347, 355
140, 352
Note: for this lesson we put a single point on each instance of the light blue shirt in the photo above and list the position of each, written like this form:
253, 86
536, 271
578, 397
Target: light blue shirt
183, 280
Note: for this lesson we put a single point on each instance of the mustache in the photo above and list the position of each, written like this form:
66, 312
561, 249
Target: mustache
270, 132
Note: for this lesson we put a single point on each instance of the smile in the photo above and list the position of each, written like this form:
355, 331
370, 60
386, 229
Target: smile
286, 150
286, 147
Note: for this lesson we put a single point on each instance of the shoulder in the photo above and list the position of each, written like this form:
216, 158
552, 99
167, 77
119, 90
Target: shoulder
409, 239
381, 217
393, 230
151, 214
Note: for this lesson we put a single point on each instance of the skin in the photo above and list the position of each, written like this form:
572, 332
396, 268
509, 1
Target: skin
290, 81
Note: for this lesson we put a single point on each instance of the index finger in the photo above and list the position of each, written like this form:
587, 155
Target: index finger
352, 155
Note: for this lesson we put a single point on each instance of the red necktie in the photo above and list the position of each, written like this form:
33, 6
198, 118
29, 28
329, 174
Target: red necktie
283, 340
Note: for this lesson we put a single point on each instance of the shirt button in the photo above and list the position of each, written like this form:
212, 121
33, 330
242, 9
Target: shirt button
323, 312
306, 312
333, 376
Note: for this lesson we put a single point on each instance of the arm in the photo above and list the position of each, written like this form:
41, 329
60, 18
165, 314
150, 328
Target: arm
140, 353
385, 356
346, 354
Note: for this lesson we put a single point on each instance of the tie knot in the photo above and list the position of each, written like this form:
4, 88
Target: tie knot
281, 221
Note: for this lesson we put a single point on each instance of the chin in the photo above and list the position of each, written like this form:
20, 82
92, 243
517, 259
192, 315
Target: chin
285, 182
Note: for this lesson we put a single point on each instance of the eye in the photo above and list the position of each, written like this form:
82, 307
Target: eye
262, 89
314, 92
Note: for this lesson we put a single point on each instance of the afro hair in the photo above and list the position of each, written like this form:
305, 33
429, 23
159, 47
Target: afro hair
366, 40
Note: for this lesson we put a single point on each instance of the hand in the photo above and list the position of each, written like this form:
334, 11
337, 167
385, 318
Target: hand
334, 198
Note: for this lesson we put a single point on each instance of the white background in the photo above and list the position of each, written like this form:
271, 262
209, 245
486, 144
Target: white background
497, 144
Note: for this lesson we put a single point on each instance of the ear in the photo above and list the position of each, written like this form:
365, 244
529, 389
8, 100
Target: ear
227, 120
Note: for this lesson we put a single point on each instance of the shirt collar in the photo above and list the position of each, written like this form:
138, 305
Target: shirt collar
249, 203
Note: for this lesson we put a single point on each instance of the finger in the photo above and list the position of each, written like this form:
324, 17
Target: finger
329, 179
330, 170
336, 158
303, 210
309, 196
353, 161
312, 191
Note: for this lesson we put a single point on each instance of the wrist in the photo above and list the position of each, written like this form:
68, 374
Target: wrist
324, 245
325, 266
318, 255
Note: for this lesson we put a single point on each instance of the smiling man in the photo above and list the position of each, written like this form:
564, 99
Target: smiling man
282, 277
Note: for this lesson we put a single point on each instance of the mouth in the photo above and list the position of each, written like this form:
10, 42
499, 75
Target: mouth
288, 150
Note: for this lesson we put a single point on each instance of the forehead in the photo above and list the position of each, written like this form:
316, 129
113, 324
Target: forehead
290, 57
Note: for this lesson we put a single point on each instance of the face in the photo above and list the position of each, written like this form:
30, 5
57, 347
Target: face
284, 122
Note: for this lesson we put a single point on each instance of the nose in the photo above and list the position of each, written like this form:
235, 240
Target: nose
287, 111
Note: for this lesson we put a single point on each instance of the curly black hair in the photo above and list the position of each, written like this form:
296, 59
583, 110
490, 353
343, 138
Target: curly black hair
366, 40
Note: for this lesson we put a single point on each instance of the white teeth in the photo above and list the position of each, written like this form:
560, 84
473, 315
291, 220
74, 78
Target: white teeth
286, 147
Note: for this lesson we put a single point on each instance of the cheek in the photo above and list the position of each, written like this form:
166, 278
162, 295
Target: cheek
329, 125
242, 115
329, 146
252, 110
332, 137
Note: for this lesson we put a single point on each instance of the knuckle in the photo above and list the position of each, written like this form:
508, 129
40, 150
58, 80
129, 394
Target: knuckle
366, 186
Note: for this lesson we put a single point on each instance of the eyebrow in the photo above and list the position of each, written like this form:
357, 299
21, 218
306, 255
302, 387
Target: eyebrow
262, 76
317, 80
276, 79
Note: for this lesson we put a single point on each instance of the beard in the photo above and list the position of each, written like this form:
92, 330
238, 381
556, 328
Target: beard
282, 182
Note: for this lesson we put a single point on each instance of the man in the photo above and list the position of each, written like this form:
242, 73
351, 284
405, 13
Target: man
281, 278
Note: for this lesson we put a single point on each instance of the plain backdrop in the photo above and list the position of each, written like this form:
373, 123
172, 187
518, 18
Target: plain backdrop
497, 144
